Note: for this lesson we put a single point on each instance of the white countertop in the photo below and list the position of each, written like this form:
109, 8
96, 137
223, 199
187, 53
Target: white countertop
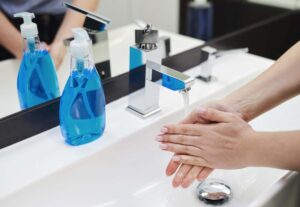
120, 40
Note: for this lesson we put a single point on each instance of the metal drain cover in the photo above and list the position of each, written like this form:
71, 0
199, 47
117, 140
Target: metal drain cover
214, 192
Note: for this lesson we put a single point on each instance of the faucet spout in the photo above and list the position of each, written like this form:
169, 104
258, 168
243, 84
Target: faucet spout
172, 79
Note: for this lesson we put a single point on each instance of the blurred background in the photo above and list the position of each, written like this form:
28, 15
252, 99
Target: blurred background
228, 16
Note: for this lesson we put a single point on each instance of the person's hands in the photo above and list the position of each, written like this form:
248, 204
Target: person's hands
186, 174
220, 144
57, 52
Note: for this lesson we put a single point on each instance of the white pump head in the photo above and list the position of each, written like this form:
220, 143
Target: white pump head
80, 46
28, 28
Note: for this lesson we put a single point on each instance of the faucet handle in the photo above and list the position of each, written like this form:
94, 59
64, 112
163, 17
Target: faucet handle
148, 28
146, 38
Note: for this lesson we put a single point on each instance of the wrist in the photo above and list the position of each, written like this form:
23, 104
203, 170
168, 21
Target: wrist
251, 149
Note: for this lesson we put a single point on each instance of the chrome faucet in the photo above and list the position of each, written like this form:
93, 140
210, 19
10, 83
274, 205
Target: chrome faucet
145, 102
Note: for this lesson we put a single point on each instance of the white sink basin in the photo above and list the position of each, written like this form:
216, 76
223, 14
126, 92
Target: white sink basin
131, 173
125, 167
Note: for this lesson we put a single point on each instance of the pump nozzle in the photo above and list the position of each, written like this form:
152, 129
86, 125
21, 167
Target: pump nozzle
80, 34
79, 47
28, 28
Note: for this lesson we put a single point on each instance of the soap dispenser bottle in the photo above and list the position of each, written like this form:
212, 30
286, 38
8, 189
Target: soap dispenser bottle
82, 104
200, 19
37, 80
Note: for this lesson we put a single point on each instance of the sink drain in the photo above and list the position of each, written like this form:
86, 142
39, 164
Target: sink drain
214, 192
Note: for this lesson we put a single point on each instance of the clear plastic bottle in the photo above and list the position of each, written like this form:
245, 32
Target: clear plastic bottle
37, 80
82, 105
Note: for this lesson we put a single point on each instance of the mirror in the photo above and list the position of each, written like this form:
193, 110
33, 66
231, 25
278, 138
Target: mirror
111, 48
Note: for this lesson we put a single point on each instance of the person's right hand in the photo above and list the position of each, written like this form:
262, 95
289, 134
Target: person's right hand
57, 51
187, 174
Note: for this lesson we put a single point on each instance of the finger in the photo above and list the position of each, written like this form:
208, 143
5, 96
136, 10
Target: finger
194, 117
179, 139
191, 176
180, 149
172, 167
191, 160
45, 46
185, 129
180, 174
204, 173
215, 115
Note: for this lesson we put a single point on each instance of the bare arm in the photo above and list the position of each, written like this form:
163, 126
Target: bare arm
10, 37
279, 83
72, 19
275, 149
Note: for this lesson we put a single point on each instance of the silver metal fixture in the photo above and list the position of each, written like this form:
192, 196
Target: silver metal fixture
213, 192
212, 54
145, 102
163, 41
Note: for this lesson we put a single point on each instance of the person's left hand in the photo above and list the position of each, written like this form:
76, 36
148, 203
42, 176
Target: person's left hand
57, 52
220, 145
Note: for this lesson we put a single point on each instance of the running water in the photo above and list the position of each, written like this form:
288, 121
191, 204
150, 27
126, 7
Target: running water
186, 100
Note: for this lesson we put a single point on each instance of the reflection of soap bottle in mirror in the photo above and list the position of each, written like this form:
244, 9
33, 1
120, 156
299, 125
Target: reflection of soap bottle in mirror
82, 105
200, 19
37, 80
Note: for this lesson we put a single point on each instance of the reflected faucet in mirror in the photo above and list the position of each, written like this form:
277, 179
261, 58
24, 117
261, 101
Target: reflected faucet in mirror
210, 54
145, 102
96, 25
163, 41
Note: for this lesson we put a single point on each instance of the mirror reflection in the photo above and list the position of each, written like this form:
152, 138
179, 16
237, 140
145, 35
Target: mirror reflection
34, 46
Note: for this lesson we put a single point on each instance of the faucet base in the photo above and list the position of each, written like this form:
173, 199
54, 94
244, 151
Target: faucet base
142, 115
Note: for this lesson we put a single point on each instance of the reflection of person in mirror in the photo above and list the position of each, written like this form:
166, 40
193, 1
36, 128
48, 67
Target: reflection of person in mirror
217, 135
53, 20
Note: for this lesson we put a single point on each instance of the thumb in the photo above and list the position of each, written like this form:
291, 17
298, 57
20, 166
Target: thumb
214, 115
193, 118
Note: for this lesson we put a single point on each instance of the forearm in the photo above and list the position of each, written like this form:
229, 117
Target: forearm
10, 37
279, 83
274, 149
74, 19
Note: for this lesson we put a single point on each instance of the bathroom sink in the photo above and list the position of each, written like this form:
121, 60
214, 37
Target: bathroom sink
125, 168
131, 173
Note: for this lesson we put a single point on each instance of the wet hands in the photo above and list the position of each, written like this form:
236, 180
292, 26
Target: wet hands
213, 137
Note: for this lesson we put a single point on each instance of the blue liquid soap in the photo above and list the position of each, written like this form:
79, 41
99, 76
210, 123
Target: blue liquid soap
37, 81
82, 106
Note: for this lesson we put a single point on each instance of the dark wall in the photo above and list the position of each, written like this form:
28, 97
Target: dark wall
232, 15
270, 38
